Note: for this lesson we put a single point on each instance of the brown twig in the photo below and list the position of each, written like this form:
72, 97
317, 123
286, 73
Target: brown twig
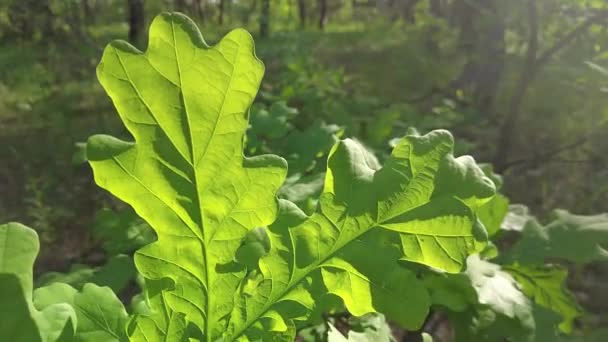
548, 155
531, 68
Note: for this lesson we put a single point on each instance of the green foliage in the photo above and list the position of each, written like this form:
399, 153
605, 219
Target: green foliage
56, 312
269, 125
516, 218
521, 296
368, 328
185, 105
273, 130
116, 273
482, 302
303, 191
546, 285
21, 320
368, 240
121, 232
576, 238
199, 159
100, 316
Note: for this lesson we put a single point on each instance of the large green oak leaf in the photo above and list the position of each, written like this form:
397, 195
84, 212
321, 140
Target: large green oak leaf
349, 246
186, 106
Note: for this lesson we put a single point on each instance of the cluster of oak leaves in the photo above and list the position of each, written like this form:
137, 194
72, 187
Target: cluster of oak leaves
234, 248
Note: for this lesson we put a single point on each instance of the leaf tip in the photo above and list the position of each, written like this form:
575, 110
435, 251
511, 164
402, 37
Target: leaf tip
101, 147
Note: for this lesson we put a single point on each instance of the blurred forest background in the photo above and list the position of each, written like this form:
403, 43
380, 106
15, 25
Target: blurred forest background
522, 84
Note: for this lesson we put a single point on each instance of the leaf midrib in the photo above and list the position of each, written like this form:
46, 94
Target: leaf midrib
194, 163
295, 280
193, 154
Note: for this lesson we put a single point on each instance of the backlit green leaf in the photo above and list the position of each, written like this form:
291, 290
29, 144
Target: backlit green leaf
546, 285
186, 106
364, 208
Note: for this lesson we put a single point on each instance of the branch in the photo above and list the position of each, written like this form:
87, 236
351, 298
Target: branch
531, 52
546, 156
582, 27
369, 3
505, 136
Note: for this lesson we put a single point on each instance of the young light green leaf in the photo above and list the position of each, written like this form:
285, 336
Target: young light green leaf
546, 285
19, 319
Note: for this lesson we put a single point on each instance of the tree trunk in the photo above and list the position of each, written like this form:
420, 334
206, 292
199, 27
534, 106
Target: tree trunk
505, 139
29, 17
322, 13
484, 42
533, 64
492, 69
302, 12
88, 11
200, 9
180, 6
265, 19
436, 8
136, 20
409, 13
220, 19
247, 17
